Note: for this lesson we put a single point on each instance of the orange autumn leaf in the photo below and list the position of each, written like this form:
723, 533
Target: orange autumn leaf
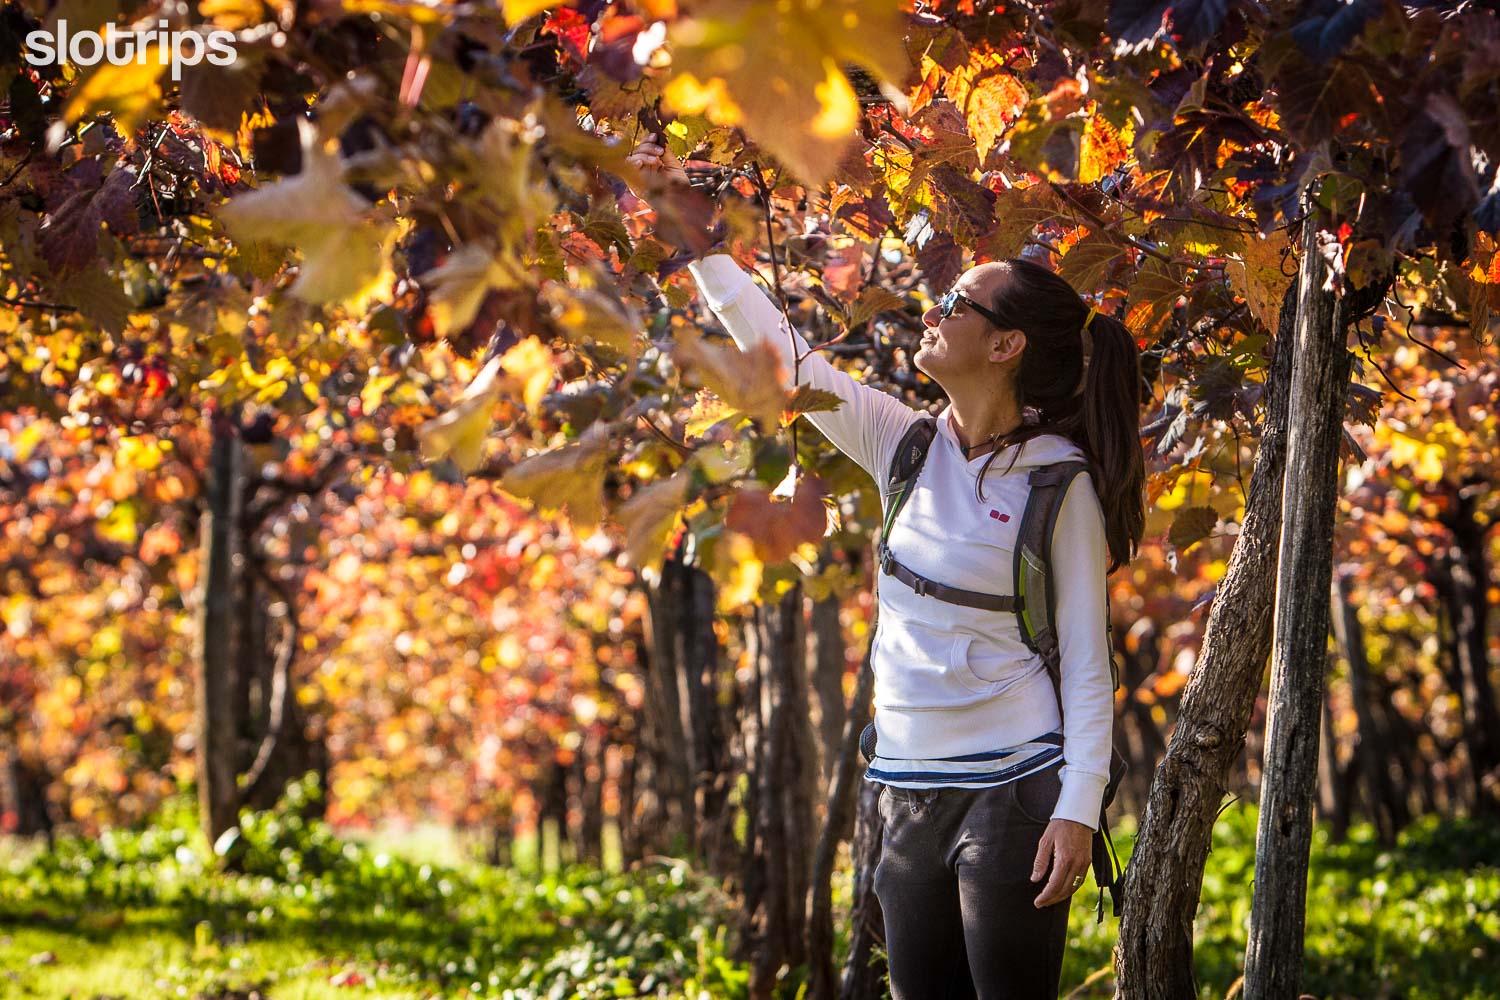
1103, 150
989, 95
776, 526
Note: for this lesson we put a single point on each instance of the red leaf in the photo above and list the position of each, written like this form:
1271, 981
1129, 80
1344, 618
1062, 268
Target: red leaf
572, 31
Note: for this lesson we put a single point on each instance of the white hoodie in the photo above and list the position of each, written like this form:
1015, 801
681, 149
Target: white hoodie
952, 680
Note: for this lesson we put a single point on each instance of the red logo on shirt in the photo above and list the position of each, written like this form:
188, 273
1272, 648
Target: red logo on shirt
999, 516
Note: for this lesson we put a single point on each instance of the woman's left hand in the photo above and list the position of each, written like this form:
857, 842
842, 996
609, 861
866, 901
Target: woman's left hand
1068, 847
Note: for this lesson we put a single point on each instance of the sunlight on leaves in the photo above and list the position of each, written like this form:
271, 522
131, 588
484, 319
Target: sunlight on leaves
569, 478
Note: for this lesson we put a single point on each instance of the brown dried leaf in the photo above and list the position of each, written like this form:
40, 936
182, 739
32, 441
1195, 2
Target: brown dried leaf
752, 381
776, 527
570, 477
649, 516
1192, 524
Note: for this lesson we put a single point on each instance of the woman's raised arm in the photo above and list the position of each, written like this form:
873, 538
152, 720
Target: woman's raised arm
869, 423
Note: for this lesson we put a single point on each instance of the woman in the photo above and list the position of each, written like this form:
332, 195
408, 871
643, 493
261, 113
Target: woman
989, 791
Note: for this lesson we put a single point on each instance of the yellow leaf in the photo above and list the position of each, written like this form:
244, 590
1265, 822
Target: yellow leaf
426, 12
707, 410
460, 432
373, 394
778, 66
131, 92
460, 283
516, 11
988, 94
737, 571
1191, 484
26, 441
649, 517
532, 365
353, 269
570, 477
691, 96
1256, 276
312, 208
585, 315
277, 370
139, 453
1424, 459
839, 112
344, 257
747, 380
1103, 149
119, 525
232, 14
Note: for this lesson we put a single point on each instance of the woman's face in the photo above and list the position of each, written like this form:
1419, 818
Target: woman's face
964, 343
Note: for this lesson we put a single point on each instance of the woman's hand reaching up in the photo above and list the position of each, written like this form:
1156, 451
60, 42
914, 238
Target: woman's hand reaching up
652, 155
690, 219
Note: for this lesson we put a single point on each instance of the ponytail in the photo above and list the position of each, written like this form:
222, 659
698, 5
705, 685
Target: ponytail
1111, 435
1104, 418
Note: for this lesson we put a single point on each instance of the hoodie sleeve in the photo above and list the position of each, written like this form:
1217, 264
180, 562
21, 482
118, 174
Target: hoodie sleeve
869, 423
1079, 564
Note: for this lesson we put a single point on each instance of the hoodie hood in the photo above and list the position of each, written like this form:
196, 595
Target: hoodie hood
1044, 449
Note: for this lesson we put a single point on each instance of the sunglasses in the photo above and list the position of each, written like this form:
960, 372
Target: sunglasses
953, 297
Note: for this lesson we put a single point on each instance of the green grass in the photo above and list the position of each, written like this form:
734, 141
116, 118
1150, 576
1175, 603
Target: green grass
1420, 920
142, 915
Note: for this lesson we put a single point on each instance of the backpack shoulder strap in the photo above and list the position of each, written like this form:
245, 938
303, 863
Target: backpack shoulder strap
907, 461
1049, 488
1033, 561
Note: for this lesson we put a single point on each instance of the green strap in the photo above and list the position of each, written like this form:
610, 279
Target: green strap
911, 452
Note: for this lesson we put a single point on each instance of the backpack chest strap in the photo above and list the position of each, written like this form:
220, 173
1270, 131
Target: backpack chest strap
931, 588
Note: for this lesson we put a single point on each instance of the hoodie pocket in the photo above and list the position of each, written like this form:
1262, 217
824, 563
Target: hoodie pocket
999, 663
922, 668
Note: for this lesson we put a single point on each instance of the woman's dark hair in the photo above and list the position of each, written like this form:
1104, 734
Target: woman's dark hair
1104, 419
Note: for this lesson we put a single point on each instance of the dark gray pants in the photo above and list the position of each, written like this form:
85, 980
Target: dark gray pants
954, 884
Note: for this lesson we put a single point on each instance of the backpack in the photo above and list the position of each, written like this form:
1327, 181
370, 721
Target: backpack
1033, 604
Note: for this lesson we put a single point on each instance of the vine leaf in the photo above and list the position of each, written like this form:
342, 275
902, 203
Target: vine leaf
316, 213
807, 399
749, 380
132, 92
587, 315
98, 296
778, 525
527, 368
459, 433
1018, 214
989, 95
1191, 525
873, 301
1255, 273
569, 478
460, 283
786, 84
1088, 265
531, 367
1153, 296
1103, 149
650, 515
